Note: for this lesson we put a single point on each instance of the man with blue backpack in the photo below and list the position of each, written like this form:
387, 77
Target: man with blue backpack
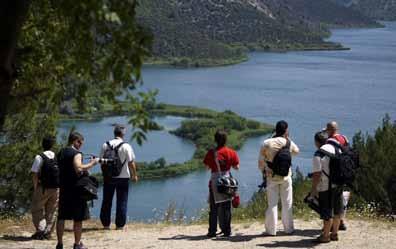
118, 160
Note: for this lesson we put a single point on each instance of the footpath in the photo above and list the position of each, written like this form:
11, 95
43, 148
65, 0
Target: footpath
360, 234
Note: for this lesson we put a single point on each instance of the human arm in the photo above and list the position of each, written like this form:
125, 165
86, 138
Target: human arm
316, 175
315, 182
132, 168
79, 166
294, 148
37, 163
235, 161
35, 180
262, 160
209, 157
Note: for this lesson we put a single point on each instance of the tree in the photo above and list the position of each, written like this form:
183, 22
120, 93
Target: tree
377, 176
57, 50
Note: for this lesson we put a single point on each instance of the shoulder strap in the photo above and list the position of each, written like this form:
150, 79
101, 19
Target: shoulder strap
288, 143
109, 145
346, 140
44, 157
326, 153
119, 146
319, 153
334, 143
216, 160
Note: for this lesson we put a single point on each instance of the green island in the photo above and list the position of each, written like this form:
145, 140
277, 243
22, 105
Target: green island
200, 129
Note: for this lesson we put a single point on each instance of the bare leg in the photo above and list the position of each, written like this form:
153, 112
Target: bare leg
77, 227
336, 224
60, 227
327, 228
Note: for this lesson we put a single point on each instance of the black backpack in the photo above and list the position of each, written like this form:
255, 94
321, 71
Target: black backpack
112, 167
343, 165
282, 161
49, 173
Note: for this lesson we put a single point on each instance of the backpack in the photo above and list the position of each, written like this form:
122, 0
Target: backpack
112, 167
282, 161
49, 173
343, 165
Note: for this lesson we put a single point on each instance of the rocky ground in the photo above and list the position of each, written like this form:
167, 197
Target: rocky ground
360, 234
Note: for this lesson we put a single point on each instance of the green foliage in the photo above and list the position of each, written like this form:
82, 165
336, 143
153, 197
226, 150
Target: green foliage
376, 180
377, 9
82, 53
207, 33
201, 131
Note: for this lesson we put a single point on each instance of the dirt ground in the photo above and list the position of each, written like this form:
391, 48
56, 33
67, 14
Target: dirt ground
360, 234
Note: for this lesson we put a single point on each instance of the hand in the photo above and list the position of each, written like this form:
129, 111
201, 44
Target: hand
135, 178
94, 160
268, 172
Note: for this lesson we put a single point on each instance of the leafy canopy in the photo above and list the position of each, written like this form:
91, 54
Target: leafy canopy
84, 52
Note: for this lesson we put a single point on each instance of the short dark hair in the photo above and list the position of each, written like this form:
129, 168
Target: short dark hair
119, 130
280, 128
321, 137
220, 138
74, 136
48, 142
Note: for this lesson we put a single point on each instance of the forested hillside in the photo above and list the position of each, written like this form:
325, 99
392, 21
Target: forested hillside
328, 12
377, 9
221, 31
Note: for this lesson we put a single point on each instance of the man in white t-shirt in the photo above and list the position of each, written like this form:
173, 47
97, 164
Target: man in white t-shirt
330, 201
278, 185
46, 190
120, 183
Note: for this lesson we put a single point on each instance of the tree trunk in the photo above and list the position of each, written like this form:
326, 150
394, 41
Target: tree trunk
12, 16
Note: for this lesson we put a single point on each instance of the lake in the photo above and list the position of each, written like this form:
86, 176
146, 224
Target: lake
307, 89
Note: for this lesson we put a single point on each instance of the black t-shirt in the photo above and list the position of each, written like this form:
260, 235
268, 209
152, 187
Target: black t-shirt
67, 174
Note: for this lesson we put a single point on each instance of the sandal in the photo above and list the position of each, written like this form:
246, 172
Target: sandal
334, 237
322, 239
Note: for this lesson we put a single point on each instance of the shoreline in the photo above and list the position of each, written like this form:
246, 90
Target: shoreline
326, 45
160, 169
187, 62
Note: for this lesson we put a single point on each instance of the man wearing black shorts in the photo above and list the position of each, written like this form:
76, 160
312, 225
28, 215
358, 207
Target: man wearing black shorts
330, 201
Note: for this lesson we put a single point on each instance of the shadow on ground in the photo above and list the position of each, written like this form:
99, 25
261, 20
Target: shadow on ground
239, 237
16, 238
300, 243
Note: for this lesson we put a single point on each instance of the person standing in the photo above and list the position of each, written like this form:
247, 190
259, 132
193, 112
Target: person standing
330, 201
278, 184
332, 131
45, 176
119, 183
222, 158
71, 206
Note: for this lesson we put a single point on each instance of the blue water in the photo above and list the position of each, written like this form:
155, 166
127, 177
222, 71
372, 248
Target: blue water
308, 89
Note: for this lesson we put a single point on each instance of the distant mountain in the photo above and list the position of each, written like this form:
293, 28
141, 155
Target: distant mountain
221, 31
377, 9
330, 12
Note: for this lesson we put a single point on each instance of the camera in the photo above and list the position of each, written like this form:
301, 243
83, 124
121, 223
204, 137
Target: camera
263, 185
105, 161
313, 203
